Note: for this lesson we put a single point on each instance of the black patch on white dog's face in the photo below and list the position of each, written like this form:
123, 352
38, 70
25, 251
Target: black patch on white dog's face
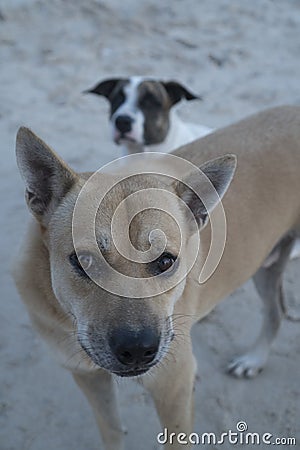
154, 102
155, 99
118, 96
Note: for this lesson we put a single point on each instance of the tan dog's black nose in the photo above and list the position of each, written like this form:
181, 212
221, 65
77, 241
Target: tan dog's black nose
123, 123
134, 348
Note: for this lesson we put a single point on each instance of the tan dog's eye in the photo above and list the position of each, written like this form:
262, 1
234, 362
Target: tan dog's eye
85, 261
81, 262
165, 262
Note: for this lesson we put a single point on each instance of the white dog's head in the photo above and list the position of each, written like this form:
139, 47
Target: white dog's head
140, 107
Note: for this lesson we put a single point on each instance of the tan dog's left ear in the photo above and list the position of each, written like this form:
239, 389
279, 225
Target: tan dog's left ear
202, 192
47, 178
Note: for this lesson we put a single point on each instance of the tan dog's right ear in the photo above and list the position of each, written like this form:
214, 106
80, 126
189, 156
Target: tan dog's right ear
47, 178
195, 188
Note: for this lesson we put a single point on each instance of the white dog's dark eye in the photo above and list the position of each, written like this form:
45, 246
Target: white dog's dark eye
81, 262
117, 101
150, 100
165, 262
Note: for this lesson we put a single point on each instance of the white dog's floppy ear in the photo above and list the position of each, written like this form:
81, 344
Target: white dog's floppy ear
105, 87
201, 192
177, 92
47, 178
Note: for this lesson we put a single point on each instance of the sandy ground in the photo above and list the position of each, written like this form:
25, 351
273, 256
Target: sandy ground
242, 57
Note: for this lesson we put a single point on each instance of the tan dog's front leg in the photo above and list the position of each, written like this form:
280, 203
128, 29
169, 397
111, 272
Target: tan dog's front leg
99, 389
171, 386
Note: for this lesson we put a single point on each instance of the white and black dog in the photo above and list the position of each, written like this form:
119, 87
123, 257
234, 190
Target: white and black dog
142, 114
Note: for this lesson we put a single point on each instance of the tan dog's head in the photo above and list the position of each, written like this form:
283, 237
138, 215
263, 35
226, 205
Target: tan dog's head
121, 279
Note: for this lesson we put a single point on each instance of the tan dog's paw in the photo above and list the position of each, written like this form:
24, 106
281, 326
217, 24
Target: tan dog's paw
296, 250
247, 366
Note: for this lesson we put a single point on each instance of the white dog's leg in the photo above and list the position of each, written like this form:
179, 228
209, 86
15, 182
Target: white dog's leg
268, 282
99, 389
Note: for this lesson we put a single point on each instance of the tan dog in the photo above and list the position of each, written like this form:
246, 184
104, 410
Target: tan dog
96, 331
